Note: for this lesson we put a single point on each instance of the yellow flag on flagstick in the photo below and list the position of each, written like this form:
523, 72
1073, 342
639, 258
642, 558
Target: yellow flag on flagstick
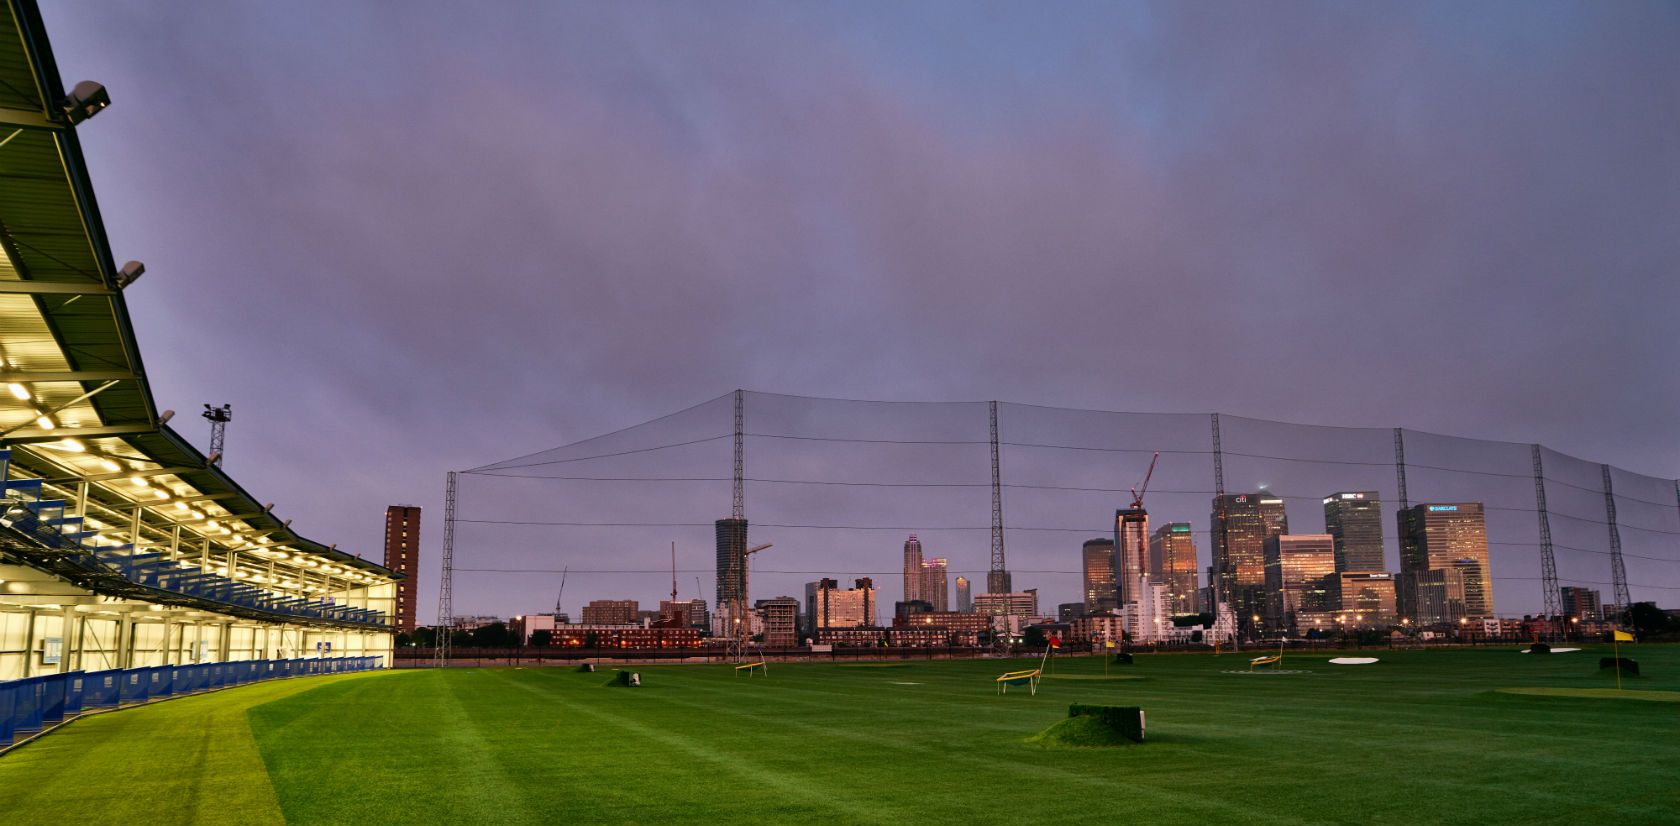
1622, 636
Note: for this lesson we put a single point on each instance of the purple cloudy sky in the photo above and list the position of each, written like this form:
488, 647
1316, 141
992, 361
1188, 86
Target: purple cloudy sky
401, 238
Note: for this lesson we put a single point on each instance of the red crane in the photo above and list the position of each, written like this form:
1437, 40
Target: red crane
1139, 491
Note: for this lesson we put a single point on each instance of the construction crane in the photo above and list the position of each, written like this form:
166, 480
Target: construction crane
1131, 540
1140, 490
673, 572
563, 572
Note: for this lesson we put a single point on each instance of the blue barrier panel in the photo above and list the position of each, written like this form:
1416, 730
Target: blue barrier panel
218, 675
163, 680
134, 685
53, 689
7, 725
100, 689
73, 693
26, 704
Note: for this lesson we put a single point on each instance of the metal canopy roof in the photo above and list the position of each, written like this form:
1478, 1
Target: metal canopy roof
67, 341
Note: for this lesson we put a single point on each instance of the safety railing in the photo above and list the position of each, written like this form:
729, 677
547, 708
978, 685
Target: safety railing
35, 703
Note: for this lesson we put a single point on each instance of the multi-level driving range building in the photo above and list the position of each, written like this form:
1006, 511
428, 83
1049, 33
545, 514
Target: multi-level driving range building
122, 545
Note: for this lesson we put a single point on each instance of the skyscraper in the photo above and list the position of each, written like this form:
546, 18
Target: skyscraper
402, 554
965, 597
1298, 572
1447, 536
731, 563
1241, 523
1172, 562
1354, 518
913, 573
1131, 546
935, 589
1097, 561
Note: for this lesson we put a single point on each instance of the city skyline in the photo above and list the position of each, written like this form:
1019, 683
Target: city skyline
1298, 572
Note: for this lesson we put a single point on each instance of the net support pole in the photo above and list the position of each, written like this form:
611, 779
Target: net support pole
1551, 596
738, 495
1216, 530
997, 580
1405, 605
1618, 572
446, 595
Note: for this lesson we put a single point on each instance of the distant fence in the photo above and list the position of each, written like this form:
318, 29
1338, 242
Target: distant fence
34, 703
422, 657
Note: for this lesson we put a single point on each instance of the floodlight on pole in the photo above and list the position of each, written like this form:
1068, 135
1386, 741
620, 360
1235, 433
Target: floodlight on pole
85, 100
219, 418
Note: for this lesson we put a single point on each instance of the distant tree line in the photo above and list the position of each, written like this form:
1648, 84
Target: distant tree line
494, 635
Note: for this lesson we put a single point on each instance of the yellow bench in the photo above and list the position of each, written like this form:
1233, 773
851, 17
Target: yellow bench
1028, 678
748, 667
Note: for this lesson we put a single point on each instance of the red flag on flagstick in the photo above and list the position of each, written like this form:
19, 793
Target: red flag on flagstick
1055, 641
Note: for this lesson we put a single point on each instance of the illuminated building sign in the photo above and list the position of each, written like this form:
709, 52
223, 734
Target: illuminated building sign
1437, 508
1181, 529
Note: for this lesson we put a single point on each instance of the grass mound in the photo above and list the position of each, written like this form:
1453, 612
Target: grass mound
1079, 733
1091, 677
1599, 694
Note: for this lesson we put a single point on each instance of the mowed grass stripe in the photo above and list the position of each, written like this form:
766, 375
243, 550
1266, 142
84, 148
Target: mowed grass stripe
1023, 766
185, 760
756, 773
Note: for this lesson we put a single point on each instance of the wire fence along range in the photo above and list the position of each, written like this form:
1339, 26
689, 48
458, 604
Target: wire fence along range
837, 485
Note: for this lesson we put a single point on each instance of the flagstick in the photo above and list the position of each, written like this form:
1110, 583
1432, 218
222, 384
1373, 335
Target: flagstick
1616, 647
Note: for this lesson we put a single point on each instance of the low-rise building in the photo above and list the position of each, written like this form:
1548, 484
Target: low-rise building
611, 612
1018, 604
780, 617
869, 637
624, 636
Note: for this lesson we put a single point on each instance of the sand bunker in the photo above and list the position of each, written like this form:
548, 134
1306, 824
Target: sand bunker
1353, 660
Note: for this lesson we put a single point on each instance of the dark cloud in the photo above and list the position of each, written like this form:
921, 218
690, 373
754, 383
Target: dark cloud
401, 239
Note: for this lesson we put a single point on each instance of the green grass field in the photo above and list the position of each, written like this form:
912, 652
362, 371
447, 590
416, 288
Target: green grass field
1423, 736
